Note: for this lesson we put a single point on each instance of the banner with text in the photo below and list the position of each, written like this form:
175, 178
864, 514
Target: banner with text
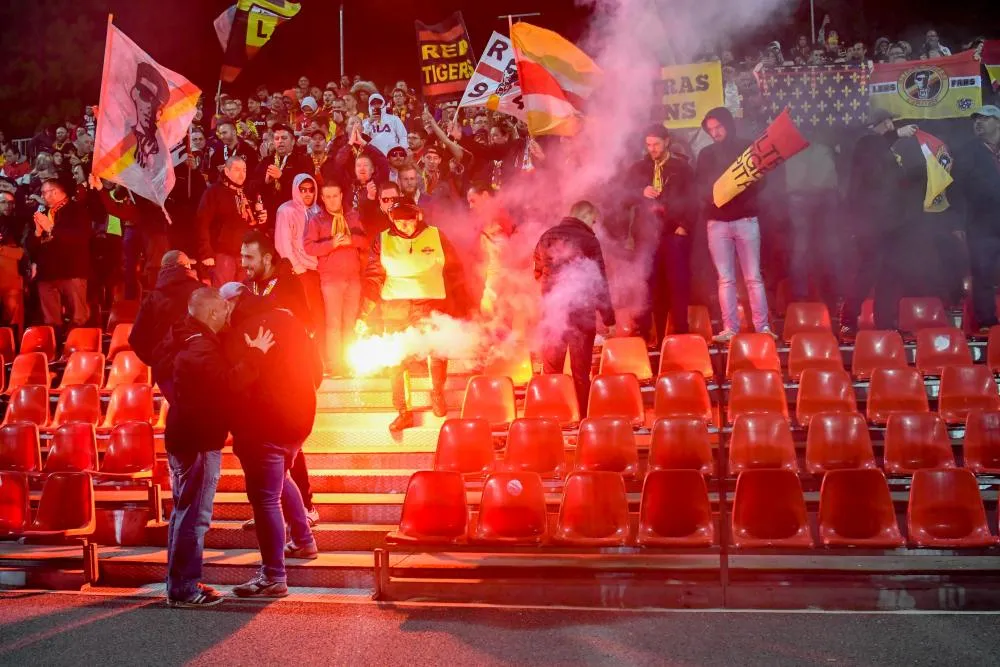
689, 92
446, 59
948, 87
494, 84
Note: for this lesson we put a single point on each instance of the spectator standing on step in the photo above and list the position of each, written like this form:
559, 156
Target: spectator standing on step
224, 216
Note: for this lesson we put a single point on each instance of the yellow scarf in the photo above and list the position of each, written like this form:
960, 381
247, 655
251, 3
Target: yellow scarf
339, 226
658, 174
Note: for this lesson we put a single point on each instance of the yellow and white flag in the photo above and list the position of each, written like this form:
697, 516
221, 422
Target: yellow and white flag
145, 110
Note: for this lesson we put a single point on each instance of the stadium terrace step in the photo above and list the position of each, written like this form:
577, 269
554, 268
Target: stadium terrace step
329, 536
357, 458
334, 481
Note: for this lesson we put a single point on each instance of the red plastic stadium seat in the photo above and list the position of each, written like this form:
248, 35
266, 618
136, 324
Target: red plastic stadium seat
982, 442
681, 443
814, 350
465, 446
938, 348
15, 501
607, 443
682, 394
490, 398
594, 510
769, 511
761, 441
31, 368
127, 368
877, 349
66, 507
675, 510
516, 366
808, 317
855, 510
626, 355
29, 403
685, 352
748, 351
82, 339
895, 390
757, 391
78, 403
946, 510
914, 441
965, 388
993, 349
824, 391
617, 396
83, 368
39, 339
866, 320
916, 313
19, 447
122, 312
838, 440
131, 452
434, 509
512, 510
552, 396
73, 448
7, 348
699, 323
130, 403
119, 340
535, 445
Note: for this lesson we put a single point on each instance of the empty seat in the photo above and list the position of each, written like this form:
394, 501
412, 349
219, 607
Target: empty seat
607, 443
824, 391
15, 501
535, 445
946, 510
965, 388
866, 319
810, 317
130, 403
748, 351
119, 340
66, 508
761, 441
685, 352
30, 368
83, 368
938, 348
895, 390
122, 312
434, 509
626, 355
675, 510
838, 440
682, 394
916, 440
29, 403
73, 448
681, 443
617, 396
877, 349
855, 510
7, 349
982, 442
512, 510
131, 452
78, 403
19, 447
39, 339
552, 396
127, 368
814, 350
699, 323
769, 511
594, 510
916, 313
83, 339
757, 391
490, 398
465, 446
993, 349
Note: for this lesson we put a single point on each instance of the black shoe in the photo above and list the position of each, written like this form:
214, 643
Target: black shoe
401, 422
439, 404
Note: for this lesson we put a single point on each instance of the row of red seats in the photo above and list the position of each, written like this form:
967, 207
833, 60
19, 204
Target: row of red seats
82, 403
65, 510
83, 339
856, 509
32, 368
130, 452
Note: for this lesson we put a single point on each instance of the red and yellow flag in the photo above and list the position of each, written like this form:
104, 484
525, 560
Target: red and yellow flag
938, 171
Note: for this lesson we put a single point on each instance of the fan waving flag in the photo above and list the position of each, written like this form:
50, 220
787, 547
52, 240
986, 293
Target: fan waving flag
246, 27
556, 79
145, 110
938, 171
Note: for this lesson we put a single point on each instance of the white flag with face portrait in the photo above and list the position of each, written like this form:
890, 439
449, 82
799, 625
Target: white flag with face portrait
494, 83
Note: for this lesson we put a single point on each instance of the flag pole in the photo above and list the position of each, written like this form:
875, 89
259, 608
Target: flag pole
342, 68
104, 88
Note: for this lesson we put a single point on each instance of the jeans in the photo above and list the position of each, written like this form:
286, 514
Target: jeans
984, 253
815, 252
274, 498
341, 299
53, 295
227, 269
729, 241
194, 478
579, 340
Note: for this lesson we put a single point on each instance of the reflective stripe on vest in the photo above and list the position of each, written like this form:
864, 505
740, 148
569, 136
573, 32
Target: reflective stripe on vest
414, 268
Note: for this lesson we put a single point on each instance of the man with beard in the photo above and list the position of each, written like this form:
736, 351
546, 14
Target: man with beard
274, 175
224, 217
229, 145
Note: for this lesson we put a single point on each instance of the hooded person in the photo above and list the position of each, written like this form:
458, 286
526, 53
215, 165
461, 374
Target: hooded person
289, 234
384, 129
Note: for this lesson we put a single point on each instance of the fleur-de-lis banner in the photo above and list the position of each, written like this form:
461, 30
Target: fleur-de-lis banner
818, 97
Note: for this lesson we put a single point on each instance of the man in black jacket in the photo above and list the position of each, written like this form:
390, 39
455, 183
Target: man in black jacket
569, 265
272, 277
202, 391
275, 173
225, 215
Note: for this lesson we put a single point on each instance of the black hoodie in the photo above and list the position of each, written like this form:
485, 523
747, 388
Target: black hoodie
161, 309
283, 290
713, 161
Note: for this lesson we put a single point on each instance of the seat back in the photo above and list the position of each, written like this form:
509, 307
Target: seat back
19, 447
824, 391
748, 351
675, 509
130, 449
757, 391
552, 396
434, 508
512, 508
119, 340
816, 349
855, 508
916, 440
769, 510
78, 403
877, 349
130, 403
866, 319
938, 348
39, 339
67, 504
626, 355
982, 442
30, 368
594, 507
811, 317
681, 443
761, 441
965, 388
685, 352
617, 396
606, 443
14, 502
83, 368
992, 349
916, 313
127, 368
490, 398
73, 448
535, 445
7, 348
83, 339
465, 446
516, 366
29, 403
122, 312
895, 390
682, 394
946, 510
838, 440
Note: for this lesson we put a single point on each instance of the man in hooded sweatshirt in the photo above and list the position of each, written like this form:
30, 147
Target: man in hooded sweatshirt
289, 234
384, 129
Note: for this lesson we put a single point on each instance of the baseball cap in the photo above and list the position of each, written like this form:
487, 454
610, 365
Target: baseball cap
878, 116
310, 103
987, 111
404, 211
230, 291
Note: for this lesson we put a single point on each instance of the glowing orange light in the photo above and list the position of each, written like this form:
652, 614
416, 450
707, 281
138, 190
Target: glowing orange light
368, 356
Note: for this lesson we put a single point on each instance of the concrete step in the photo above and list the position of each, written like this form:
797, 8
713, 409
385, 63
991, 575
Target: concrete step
323, 480
333, 507
350, 401
329, 536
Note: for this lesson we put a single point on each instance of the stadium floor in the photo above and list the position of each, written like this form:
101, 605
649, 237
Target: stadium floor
110, 628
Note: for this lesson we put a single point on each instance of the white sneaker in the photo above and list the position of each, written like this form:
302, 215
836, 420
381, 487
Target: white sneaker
724, 336
770, 333
313, 517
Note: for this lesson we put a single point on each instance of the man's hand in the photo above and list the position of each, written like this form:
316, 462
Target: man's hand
371, 190
42, 223
680, 231
340, 240
361, 328
649, 192
356, 138
263, 342
455, 131
260, 217
272, 174
209, 261
907, 131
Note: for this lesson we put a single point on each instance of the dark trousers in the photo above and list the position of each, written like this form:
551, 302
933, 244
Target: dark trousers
815, 254
193, 478
578, 339
397, 316
878, 266
984, 253
669, 287
132, 246
71, 294
300, 475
